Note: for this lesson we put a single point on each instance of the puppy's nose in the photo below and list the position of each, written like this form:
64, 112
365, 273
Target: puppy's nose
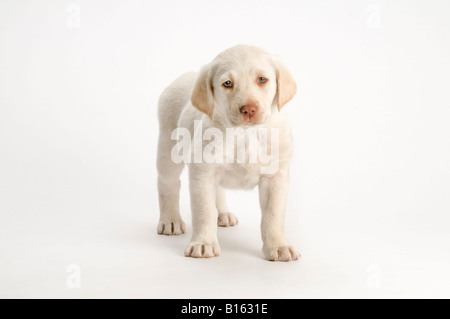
249, 110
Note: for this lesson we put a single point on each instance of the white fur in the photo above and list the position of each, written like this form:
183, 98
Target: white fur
220, 108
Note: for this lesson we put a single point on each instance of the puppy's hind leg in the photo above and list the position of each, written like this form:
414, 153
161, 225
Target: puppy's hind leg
170, 221
225, 218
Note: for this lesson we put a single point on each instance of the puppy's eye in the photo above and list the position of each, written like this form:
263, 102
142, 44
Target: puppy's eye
262, 80
228, 84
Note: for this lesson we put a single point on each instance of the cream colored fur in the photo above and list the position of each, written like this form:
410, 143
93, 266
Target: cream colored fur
203, 97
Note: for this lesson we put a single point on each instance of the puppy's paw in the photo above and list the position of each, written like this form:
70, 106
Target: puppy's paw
227, 219
280, 253
202, 250
171, 227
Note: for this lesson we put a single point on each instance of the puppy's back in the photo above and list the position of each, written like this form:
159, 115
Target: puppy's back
173, 99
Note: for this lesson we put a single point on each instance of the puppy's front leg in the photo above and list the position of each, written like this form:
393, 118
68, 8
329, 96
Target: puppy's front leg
202, 186
272, 196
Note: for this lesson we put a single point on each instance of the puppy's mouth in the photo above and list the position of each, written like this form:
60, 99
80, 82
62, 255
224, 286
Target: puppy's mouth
246, 121
250, 122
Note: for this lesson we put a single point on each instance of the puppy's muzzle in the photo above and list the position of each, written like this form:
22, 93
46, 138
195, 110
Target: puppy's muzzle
250, 113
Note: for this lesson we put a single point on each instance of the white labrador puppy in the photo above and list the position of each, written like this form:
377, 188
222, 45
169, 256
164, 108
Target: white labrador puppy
246, 88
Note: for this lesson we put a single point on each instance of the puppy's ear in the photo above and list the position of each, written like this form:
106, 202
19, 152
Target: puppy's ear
202, 95
286, 86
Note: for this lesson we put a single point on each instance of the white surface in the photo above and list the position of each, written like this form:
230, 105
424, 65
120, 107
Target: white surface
368, 206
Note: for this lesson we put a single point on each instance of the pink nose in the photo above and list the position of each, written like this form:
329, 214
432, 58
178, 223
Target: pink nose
249, 110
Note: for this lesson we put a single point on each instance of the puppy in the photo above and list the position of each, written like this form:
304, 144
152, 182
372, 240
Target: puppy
243, 88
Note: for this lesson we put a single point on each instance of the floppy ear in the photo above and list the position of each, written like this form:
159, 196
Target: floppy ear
202, 95
286, 86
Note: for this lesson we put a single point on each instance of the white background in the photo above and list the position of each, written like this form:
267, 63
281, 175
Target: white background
369, 199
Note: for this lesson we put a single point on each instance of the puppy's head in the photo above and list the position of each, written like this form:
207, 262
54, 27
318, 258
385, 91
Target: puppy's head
242, 86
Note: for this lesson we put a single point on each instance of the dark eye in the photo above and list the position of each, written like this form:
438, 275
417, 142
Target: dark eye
228, 84
262, 79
